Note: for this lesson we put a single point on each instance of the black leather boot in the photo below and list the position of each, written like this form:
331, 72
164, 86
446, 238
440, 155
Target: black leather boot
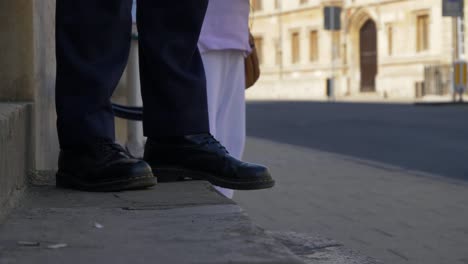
201, 157
102, 167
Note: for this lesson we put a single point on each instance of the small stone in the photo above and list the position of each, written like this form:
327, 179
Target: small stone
98, 225
57, 246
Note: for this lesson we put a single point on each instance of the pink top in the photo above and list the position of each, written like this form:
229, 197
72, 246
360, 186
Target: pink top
226, 26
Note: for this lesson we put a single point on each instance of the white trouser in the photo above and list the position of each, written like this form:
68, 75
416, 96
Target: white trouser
225, 76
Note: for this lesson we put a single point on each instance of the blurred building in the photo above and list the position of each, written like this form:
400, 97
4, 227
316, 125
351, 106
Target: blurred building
385, 48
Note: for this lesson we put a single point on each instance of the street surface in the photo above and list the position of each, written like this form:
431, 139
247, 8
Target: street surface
388, 180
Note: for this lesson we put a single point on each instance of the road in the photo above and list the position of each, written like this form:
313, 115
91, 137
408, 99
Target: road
388, 180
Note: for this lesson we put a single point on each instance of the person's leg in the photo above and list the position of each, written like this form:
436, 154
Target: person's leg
230, 108
92, 46
231, 113
214, 73
213, 81
172, 75
216, 68
225, 75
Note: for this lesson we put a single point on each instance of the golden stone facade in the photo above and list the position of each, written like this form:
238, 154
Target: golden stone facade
382, 49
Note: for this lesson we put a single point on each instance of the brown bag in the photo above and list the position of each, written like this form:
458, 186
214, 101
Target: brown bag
252, 65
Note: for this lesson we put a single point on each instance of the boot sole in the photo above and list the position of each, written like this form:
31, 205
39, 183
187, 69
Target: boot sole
176, 174
68, 181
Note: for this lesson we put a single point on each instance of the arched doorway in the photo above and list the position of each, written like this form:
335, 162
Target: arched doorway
368, 55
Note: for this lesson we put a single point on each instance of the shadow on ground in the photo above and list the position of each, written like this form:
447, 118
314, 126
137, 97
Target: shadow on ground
432, 139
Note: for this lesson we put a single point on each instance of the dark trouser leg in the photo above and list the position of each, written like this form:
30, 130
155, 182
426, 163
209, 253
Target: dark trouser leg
93, 40
172, 76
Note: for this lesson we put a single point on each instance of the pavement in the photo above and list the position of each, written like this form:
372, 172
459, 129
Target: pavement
186, 222
387, 180
174, 223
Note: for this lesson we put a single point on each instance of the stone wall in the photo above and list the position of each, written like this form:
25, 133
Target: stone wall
27, 70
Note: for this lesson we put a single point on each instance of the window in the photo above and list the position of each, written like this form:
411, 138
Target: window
313, 46
336, 38
259, 46
295, 48
422, 34
390, 40
257, 5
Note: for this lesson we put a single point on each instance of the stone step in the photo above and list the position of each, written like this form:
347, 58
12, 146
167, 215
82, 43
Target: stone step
15, 152
172, 223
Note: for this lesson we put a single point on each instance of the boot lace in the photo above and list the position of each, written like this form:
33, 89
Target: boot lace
210, 140
112, 151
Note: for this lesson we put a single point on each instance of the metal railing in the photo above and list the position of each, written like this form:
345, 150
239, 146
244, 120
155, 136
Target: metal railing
134, 111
